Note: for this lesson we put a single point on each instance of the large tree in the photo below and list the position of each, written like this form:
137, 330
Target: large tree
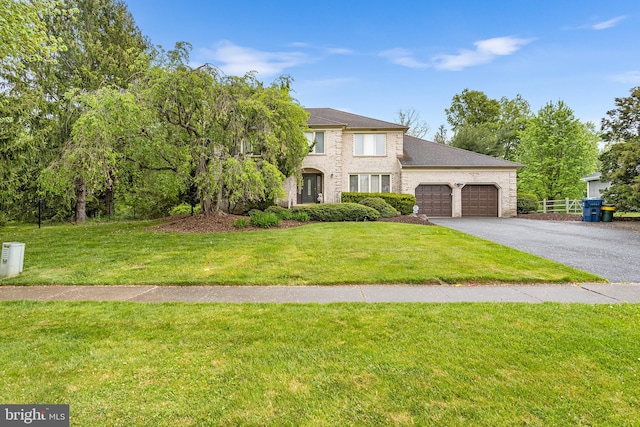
557, 150
226, 140
240, 138
472, 108
620, 162
485, 125
104, 48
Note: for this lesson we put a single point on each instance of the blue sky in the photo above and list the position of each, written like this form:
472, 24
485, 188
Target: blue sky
375, 57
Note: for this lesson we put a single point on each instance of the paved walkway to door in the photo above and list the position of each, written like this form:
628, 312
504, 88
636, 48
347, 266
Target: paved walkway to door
598, 248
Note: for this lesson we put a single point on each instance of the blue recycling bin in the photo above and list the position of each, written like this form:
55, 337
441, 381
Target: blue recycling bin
591, 209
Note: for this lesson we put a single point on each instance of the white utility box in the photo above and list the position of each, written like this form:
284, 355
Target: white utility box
12, 259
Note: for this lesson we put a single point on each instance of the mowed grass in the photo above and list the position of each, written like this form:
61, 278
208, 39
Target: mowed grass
133, 364
314, 254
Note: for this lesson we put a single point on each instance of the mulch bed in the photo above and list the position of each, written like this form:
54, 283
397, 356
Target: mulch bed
552, 216
223, 223
621, 223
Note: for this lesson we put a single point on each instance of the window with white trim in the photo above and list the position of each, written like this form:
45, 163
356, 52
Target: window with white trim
316, 142
369, 144
369, 183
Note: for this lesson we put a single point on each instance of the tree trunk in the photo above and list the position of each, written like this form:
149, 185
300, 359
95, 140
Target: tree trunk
108, 202
81, 200
108, 196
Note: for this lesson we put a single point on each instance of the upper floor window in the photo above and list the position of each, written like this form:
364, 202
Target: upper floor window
316, 142
369, 144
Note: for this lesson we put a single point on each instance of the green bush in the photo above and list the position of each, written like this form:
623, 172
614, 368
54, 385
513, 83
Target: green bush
384, 209
265, 219
184, 209
287, 214
527, 203
300, 216
403, 203
3, 219
337, 212
241, 223
282, 213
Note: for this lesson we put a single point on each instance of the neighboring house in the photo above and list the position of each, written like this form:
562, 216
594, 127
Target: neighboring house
352, 153
594, 185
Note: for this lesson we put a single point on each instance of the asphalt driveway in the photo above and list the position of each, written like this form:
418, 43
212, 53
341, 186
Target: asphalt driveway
598, 248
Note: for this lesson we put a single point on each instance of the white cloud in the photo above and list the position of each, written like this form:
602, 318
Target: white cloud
485, 52
238, 60
402, 57
338, 51
632, 77
607, 24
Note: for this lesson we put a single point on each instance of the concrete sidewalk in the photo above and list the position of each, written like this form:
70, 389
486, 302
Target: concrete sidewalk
579, 293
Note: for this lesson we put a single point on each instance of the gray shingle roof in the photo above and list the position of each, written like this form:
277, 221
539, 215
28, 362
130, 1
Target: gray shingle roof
331, 117
419, 152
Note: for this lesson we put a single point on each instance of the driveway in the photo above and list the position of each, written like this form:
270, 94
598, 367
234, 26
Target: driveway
598, 248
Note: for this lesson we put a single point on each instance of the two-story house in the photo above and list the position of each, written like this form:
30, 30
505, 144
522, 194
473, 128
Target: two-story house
352, 153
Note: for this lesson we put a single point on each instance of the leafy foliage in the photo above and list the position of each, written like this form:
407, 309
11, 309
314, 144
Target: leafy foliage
241, 223
337, 212
403, 203
231, 139
527, 203
480, 139
485, 125
472, 108
184, 209
265, 219
384, 208
620, 163
558, 150
287, 214
24, 36
103, 48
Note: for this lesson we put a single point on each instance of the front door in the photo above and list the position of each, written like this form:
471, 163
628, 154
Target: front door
311, 188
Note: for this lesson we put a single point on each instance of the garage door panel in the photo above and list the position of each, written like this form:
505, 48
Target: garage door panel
480, 200
434, 200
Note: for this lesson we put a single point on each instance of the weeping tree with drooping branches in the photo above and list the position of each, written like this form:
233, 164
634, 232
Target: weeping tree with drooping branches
228, 139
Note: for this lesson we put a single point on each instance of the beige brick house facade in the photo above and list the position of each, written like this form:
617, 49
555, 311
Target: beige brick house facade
356, 153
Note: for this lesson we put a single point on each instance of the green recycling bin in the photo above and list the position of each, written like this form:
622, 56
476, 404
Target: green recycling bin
607, 213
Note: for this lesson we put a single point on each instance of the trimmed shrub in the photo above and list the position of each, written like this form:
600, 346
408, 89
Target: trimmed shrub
527, 203
403, 203
338, 212
265, 219
377, 203
241, 223
282, 213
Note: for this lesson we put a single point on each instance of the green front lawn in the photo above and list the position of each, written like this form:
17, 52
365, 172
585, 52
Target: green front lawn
323, 253
133, 364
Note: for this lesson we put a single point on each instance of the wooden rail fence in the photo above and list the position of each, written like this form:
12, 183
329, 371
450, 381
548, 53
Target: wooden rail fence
570, 206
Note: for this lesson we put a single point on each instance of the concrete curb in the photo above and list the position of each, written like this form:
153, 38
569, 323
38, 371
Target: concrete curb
591, 293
